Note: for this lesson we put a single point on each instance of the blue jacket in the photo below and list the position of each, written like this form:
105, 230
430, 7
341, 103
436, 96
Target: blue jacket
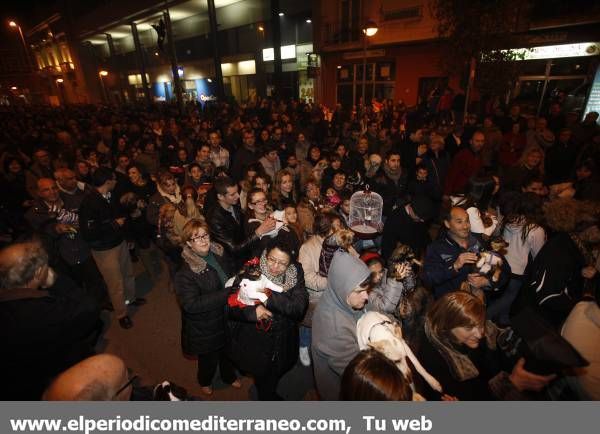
438, 272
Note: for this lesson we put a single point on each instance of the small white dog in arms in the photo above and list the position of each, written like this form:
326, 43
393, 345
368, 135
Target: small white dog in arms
280, 222
376, 330
253, 290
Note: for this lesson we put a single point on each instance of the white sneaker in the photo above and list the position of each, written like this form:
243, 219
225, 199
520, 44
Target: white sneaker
304, 356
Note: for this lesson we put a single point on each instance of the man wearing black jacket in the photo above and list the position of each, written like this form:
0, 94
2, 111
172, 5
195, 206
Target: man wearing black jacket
102, 227
46, 323
226, 223
55, 217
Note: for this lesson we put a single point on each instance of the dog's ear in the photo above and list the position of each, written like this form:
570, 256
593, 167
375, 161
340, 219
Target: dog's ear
380, 346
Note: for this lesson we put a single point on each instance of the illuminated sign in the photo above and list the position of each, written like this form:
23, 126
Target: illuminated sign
593, 102
558, 51
287, 52
205, 98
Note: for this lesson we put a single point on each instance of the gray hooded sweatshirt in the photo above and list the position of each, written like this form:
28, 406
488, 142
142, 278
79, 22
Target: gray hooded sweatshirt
334, 342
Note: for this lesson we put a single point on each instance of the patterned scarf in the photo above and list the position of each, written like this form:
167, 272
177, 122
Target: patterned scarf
461, 366
287, 280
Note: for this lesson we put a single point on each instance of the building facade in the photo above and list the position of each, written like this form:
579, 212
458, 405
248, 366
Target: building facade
401, 60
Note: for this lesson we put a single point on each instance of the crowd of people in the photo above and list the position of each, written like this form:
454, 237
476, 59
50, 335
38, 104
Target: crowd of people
482, 221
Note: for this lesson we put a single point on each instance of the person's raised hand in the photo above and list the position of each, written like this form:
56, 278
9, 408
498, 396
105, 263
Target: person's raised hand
266, 226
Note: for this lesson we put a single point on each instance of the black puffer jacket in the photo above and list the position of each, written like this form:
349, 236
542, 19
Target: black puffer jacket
261, 349
202, 299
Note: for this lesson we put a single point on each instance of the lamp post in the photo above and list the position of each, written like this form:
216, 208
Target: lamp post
61, 90
14, 25
368, 30
103, 74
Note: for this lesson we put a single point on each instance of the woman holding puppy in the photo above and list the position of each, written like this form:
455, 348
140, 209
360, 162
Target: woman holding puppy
264, 337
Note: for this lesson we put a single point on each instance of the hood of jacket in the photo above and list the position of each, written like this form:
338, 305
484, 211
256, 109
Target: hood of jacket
345, 273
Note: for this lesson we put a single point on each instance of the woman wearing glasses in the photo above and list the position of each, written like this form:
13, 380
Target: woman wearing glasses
264, 337
258, 209
200, 289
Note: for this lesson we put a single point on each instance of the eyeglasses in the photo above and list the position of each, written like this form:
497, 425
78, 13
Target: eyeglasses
125, 386
204, 237
275, 262
260, 202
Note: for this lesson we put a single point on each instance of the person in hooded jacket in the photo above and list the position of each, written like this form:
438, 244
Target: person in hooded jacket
334, 340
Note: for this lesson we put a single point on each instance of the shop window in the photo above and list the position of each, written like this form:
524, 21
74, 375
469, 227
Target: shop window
346, 73
570, 66
386, 71
534, 67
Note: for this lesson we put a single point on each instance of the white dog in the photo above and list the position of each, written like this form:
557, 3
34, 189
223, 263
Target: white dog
253, 290
376, 330
279, 217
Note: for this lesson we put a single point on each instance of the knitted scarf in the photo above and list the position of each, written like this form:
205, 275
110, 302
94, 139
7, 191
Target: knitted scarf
195, 261
287, 280
461, 366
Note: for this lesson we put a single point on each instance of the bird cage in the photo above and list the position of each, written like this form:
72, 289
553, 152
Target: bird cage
365, 214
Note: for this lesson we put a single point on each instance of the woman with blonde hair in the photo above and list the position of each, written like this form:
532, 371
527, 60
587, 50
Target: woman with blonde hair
530, 164
459, 348
284, 191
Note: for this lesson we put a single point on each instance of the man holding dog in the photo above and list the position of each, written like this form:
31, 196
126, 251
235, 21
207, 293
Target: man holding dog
450, 260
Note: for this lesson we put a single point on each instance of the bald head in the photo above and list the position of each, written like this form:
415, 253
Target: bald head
23, 265
457, 223
47, 190
97, 378
66, 179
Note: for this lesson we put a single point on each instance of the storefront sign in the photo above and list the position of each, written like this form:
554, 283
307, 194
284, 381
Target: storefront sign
287, 52
559, 51
360, 54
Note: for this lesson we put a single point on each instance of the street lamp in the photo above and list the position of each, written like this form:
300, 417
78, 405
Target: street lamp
14, 25
103, 74
368, 30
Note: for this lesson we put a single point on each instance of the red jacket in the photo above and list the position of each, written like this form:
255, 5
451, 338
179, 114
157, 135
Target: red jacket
464, 165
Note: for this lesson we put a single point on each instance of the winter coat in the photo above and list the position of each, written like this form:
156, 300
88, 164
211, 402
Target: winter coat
230, 233
42, 334
401, 228
555, 283
437, 167
334, 341
97, 223
438, 271
465, 164
492, 383
202, 298
268, 348
71, 247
